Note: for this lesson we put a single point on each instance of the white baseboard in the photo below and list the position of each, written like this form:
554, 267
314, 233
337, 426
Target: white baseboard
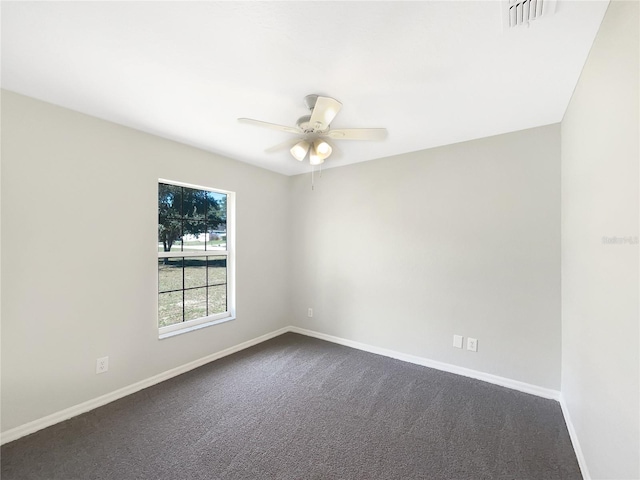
49, 420
446, 367
574, 440
44, 422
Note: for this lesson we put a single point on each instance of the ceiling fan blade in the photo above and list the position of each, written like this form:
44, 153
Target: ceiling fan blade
357, 134
282, 146
324, 111
273, 126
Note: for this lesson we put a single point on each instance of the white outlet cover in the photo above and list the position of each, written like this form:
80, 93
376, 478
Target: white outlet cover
472, 344
102, 364
310, 312
457, 341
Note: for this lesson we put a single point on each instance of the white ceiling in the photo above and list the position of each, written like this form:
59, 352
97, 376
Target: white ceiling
432, 73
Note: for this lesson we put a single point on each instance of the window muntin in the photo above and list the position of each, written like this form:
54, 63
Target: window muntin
195, 261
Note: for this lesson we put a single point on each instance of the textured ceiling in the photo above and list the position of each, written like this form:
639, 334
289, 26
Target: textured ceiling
432, 73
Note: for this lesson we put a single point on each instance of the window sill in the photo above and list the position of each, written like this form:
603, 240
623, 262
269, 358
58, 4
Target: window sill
173, 333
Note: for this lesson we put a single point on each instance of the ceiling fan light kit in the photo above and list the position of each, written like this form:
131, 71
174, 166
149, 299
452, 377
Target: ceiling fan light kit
314, 159
315, 130
319, 152
322, 148
299, 150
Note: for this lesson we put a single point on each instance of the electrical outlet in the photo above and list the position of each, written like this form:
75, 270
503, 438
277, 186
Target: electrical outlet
310, 312
457, 341
472, 344
102, 364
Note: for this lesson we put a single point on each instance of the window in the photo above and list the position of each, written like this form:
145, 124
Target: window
195, 257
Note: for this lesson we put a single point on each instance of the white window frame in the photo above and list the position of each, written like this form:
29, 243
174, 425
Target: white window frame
229, 252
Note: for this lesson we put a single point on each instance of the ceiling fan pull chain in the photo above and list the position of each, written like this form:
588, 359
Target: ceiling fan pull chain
312, 185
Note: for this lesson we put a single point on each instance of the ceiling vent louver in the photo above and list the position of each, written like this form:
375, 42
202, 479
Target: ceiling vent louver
516, 13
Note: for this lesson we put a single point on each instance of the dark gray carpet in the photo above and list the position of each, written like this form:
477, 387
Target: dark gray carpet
300, 408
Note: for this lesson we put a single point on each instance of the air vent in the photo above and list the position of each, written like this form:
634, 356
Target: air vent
516, 13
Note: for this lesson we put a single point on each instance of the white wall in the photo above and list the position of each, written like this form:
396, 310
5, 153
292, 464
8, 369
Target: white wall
79, 270
404, 252
600, 319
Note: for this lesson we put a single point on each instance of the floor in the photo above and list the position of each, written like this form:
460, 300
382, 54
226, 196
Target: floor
295, 407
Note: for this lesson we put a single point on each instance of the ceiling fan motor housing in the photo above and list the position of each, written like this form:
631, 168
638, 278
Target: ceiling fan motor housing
304, 124
310, 100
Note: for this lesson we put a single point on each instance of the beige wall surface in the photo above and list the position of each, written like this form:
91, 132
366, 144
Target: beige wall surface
400, 253
600, 207
404, 252
79, 264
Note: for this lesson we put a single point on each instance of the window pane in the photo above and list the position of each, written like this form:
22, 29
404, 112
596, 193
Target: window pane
216, 207
195, 272
169, 235
216, 219
169, 200
169, 274
195, 304
217, 270
216, 239
194, 203
169, 308
217, 299
194, 235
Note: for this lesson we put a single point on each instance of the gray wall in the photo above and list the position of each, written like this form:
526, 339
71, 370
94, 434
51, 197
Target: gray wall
600, 320
404, 252
79, 231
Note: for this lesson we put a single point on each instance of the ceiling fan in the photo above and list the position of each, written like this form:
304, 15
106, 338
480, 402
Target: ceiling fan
315, 133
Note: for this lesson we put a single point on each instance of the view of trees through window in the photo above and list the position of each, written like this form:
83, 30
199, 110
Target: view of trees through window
192, 261
190, 219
